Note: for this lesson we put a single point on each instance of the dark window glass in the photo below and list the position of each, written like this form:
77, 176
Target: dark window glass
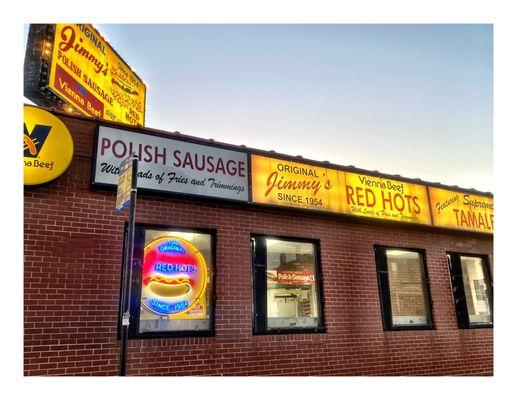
403, 288
287, 289
172, 283
472, 289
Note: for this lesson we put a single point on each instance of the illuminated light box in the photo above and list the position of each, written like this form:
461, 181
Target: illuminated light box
174, 277
72, 67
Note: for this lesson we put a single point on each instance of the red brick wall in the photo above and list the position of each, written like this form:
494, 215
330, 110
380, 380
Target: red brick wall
73, 250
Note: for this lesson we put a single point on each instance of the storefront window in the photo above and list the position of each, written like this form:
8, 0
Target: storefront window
403, 288
287, 289
172, 283
472, 290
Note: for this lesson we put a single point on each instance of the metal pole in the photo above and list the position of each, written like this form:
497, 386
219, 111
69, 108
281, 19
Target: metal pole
128, 268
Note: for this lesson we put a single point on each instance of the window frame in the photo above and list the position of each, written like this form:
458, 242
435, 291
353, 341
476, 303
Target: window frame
136, 287
381, 263
260, 286
458, 291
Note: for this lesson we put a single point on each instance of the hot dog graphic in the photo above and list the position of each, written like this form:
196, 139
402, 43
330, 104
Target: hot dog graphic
174, 277
165, 286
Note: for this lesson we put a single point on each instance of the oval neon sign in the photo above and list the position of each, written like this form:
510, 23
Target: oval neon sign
48, 147
174, 276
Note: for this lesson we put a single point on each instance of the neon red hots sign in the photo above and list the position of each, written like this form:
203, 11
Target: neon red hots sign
174, 276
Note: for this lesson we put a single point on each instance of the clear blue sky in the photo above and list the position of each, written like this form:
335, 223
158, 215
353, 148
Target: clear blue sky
414, 100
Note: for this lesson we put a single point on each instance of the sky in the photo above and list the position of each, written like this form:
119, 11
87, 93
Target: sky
414, 100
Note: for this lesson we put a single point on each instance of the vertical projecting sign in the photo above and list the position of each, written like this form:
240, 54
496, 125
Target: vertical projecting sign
72, 67
124, 184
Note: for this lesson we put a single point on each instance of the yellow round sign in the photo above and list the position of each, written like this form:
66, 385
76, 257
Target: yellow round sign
47, 146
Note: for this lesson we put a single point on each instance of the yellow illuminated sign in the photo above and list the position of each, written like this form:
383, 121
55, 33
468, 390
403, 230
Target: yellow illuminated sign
369, 196
47, 146
287, 183
292, 184
86, 72
462, 210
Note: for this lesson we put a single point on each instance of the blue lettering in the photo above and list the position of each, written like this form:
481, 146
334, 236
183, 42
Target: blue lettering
172, 246
165, 267
162, 307
159, 306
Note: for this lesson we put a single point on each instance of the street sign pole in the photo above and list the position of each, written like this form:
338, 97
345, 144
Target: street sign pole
124, 316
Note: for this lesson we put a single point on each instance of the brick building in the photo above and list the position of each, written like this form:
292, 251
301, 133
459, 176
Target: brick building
324, 305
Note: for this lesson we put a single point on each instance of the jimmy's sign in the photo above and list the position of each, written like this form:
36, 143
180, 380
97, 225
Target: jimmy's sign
72, 67
172, 166
89, 74
298, 185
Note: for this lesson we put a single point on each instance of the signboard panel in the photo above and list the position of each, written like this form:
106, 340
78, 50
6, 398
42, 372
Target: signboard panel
48, 147
298, 185
462, 210
293, 277
369, 196
124, 183
293, 184
73, 65
172, 166
88, 73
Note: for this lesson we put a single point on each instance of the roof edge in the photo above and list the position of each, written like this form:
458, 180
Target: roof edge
269, 153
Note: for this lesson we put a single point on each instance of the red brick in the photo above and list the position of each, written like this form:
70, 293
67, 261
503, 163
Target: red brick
73, 252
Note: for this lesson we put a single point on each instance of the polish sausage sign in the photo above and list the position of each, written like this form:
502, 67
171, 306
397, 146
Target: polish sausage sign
172, 166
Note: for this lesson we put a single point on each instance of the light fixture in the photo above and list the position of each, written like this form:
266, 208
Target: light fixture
402, 253
184, 235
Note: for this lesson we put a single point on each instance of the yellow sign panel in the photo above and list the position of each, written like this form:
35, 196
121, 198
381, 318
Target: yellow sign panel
299, 185
369, 196
462, 210
293, 184
47, 146
86, 72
